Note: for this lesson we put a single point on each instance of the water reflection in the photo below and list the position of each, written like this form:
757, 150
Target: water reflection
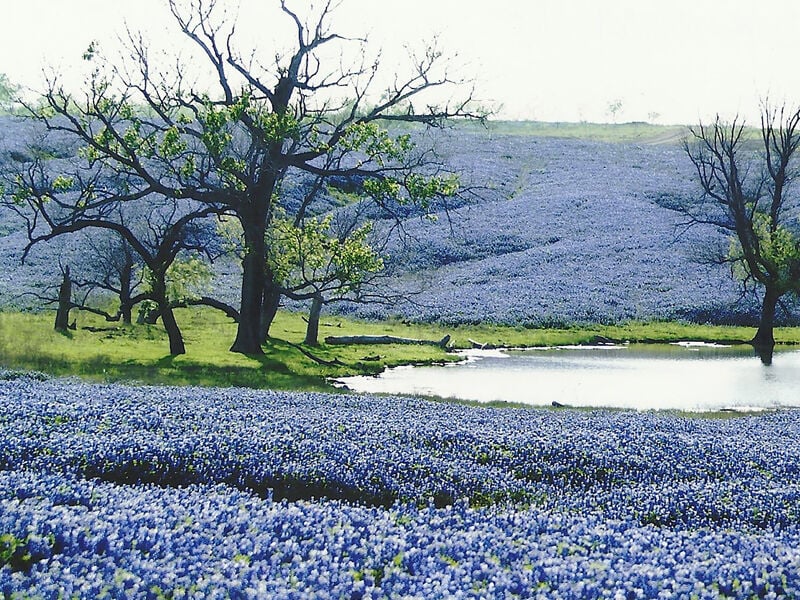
688, 376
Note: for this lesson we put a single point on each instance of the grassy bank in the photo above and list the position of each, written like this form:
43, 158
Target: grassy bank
637, 132
102, 351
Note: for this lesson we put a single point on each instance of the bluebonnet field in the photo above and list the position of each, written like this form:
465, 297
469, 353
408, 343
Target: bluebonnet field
19, 141
563, 231
115, 491
554, 231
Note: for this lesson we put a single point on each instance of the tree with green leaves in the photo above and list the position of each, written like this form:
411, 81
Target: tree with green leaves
747, 191
229, 147
315, 261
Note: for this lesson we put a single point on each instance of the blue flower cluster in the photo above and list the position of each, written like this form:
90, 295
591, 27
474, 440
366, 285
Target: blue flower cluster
115, 491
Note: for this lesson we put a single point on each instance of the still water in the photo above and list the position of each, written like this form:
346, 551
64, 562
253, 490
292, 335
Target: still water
686, 376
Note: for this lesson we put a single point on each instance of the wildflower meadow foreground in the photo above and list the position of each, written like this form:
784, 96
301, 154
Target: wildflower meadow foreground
143, 492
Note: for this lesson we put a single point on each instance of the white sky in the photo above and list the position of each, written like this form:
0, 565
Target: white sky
549, 60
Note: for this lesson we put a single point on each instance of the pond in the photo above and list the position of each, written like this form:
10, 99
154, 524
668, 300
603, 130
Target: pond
687, 376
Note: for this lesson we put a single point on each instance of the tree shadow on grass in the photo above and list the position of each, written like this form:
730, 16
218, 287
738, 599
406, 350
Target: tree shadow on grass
279, 368
268, 371
166, 362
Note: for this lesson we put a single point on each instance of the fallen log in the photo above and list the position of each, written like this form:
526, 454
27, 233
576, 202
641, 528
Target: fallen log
384, 339
481, 346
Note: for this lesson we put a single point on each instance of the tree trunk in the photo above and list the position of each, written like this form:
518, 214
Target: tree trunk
764, 353
126, 312
271, 302
125, 278
312, 331
159, 291
64, 303
248, 333
176, 345
764, 337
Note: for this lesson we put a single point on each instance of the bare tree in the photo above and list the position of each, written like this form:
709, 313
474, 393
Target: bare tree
614, 107
746, 181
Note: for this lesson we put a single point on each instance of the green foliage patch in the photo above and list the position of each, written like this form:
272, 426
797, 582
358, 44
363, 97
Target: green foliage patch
21, 553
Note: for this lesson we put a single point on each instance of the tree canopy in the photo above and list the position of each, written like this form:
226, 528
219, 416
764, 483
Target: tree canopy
312, 260
148, 131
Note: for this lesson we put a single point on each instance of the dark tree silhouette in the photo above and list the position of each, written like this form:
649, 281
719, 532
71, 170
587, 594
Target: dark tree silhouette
746, 181
64, 302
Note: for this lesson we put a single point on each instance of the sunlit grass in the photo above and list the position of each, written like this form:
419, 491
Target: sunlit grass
102, 351
638, 132
627, 332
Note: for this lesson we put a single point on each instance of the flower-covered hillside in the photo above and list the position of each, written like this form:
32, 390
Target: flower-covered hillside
566, 231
